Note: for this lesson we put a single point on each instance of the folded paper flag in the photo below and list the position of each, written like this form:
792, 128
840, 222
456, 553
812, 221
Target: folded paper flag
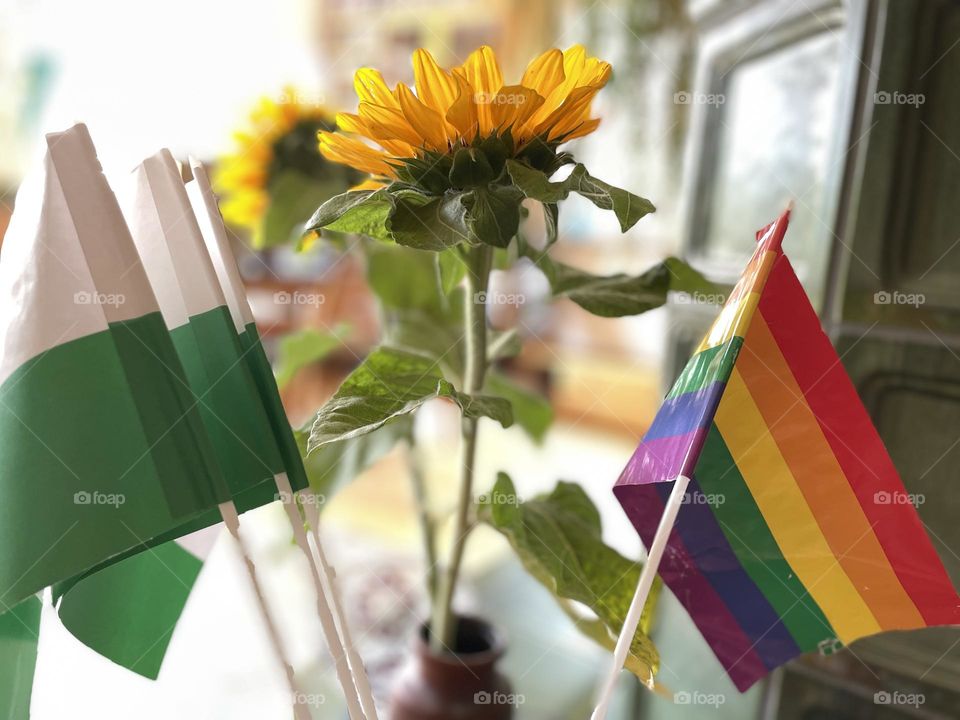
103, 450
796, 533
154, 586
19, 633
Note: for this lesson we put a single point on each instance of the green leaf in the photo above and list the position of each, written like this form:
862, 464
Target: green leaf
618, 295
535, 184
429, 223
551, 221
402, 277
364, 212
336, 464
493, 214
293, 196
388, 384
470, 168
451, 269
628, 208
558, 538
299, 349
531, 411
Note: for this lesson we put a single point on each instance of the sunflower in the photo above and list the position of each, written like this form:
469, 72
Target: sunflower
452, 163
279, 140
464, 106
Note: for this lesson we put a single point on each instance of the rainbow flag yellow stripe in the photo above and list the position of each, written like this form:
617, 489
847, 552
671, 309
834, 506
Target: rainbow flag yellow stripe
797, 533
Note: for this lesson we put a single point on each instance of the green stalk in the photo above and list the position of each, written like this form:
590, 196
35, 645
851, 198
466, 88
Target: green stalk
427, 526
478, 260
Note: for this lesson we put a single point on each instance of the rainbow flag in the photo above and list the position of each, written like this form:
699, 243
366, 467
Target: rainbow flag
796, 533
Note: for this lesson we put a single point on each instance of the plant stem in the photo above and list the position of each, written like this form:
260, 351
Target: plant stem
427, 525
479, 260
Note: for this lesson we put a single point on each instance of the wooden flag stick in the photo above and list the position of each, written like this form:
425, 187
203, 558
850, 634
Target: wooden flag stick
345, 673
231, 519
647, 575
330, 579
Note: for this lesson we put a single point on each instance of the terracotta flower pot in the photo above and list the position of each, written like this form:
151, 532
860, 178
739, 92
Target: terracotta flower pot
461, 686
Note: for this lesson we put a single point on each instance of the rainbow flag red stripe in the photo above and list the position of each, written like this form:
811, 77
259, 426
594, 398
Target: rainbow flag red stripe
796, 533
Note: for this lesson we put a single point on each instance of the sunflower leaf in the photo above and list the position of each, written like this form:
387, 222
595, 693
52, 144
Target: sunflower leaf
429, 223
531, 411
390, 384
365, 212
618, 295
470, 168
450, 270
335, 464
305, 347
558, 538
493, 213
628, 208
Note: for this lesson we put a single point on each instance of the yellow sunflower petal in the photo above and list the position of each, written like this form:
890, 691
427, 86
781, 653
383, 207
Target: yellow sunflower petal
349, 151
369, 184
463, 113
389, 124
371, 88
436, 87
428, 123
544, 73
483, 73
569, 115
585, 128
513, 105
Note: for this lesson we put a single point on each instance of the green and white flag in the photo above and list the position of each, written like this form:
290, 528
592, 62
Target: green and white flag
224, 261
220, 382
104, 451
19, 633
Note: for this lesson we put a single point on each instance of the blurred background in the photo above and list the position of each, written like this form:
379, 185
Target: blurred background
720, 112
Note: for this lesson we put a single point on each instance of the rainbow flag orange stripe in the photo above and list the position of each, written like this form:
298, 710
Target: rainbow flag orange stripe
796, 533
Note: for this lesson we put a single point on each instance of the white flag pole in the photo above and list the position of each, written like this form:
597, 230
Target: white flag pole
647, 575
345, 673
330, 580
228, 511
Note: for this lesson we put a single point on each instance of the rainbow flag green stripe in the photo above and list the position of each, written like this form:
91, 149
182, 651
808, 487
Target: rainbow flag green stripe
706, 367
750, 538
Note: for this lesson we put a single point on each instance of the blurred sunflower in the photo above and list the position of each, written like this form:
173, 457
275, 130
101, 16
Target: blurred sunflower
277, 175
464, 106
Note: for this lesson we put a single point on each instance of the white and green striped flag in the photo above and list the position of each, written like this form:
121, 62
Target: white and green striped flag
219, 380
103, 449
